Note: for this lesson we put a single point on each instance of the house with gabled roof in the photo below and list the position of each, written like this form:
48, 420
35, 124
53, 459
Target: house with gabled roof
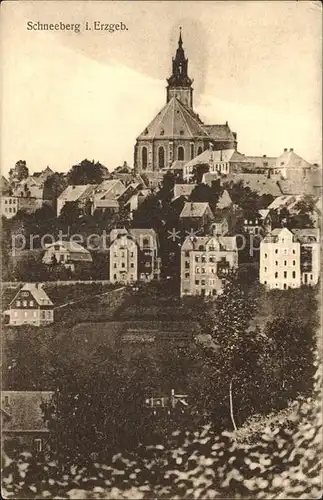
23, 418
31, 306
67, 253
75, 193
223, 162
196, 215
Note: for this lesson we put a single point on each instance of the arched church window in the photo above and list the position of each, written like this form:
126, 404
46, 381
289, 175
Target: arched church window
161, 157
200, 150
192, 151
144, 157
180, 153
162, 132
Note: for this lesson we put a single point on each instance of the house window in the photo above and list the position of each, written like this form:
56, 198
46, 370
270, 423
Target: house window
294, 274
161, 157
276, 263
114, 265
265, 269
276, 275
123, 264
31, 303
203, 282
187, 265
180, 153
311, 276
131, 254
114, 276
38, 445
15, 314
49, 314
294, 262
285, 274
276, 251
24, 303
187, 275
197, 282
200, 150
197, 270
26, 314
294, 251
6, 400
197, 258
266, 256
18, 303
285, 286
132, 264
187, 254
203, 270
265, 282
144, 157
42, 314
285, 262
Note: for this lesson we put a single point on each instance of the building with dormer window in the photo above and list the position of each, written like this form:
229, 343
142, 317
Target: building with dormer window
31, 306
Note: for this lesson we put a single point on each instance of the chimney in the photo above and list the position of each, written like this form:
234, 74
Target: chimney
285, 150
291, 150
226, 123
264, 156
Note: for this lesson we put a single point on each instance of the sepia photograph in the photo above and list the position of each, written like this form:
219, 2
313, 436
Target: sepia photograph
161, 221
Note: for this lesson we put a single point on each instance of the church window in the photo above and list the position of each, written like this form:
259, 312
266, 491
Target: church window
180, 153
144, 157
192, 151
200, 150
161, 157
181, 132
162, 132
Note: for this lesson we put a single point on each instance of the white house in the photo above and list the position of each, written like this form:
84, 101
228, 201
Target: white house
31, 306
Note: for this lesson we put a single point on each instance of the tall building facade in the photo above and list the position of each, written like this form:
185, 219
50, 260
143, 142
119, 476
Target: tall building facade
290, 258
205, 262
133, 255
177, 132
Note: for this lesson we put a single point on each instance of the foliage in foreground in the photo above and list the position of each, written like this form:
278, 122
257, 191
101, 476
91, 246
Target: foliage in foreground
284, 463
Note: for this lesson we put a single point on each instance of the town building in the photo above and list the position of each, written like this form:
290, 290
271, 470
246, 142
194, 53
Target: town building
24, 425
81, 194
206, 262
222, 162
257, 222
290, 258
196, 215
67, 253
177, 132
133, 255
106, 195
31, 306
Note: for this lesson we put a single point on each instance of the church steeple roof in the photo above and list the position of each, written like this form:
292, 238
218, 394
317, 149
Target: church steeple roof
179, 77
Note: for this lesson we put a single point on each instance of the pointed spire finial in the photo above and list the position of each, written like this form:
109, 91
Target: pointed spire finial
180, 41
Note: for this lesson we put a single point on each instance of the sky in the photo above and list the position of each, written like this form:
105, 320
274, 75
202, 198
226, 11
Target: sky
67, 96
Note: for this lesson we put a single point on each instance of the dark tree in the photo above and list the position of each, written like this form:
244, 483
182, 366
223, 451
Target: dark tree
87, 172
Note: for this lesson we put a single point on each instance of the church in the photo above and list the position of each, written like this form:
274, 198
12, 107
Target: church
177, 132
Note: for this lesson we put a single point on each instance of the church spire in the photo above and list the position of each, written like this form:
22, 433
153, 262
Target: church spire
179, 83
180, 41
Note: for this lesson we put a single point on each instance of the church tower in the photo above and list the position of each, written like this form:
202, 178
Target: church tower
179, 83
